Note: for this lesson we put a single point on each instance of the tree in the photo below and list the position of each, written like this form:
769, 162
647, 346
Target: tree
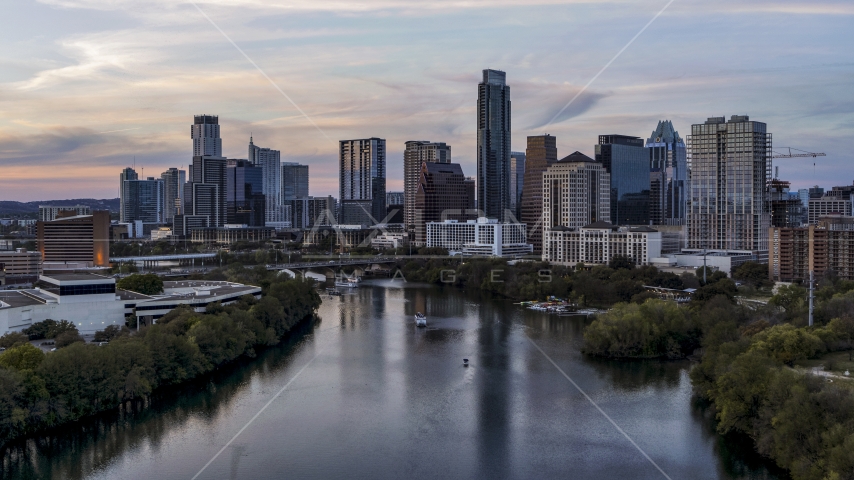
22, 357
787, 343
68, 337
147, 284
753, 273
621, 262
12, 339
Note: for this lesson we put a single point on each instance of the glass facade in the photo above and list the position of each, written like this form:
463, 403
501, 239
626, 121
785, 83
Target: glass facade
668, 176
730, 171
71, 290
627, 162
362, 181
294, 181
143, 201
493, 145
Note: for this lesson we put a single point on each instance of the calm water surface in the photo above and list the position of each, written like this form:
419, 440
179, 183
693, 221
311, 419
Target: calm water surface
372, 396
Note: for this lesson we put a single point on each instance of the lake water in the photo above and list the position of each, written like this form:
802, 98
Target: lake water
363, 393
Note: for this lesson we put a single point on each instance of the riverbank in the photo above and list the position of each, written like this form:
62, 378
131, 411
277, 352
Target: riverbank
40, 391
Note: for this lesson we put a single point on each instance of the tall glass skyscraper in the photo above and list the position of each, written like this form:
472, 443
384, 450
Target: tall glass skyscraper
668, 163
127, 174
245, 202
173, 193
143, 201
205, 135
493, 145
730, 172
416, 153
627, 162
294, 181
361, 181
269, 161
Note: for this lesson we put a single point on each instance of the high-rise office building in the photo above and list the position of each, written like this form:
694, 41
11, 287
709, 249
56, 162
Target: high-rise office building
730, 171
173, 192
442, 195
207, 190
493, 145
245, 201
540, 154
362, 181
294, 181
787, 211
309, 212
205, 135
668, 182
143, 201
416, 153
269, 161
627, 163
517, 181
127, 174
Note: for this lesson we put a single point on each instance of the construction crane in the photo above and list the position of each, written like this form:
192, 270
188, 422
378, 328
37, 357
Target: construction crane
796, 155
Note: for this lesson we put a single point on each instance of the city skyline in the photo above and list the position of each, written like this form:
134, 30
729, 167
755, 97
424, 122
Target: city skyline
99, 83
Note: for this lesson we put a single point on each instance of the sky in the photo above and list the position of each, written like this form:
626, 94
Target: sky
88, 87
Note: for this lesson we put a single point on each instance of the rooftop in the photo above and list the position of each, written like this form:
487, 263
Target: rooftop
575, 157
16, 298
76, 277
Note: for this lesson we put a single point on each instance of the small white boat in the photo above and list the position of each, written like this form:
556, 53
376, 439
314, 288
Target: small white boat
420, 320
347, 283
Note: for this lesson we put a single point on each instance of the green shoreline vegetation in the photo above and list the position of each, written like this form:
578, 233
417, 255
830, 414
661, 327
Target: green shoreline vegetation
39, 391
746, 357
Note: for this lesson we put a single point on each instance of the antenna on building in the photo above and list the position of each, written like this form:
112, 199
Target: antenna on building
776, 173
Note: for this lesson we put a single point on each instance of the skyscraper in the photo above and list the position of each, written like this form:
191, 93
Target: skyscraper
205, 135
540, 154
730, 169
416, 153
207, 190
245, 201
127, 174
668, 163
143, 201
627, 163
362, 181
493, 145
517, 181
173, 193
269, 161
294, 181
442, 195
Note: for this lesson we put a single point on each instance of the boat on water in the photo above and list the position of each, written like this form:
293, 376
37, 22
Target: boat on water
347, 283
420, 320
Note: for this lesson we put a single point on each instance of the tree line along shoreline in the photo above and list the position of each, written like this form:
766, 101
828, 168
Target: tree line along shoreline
41, 391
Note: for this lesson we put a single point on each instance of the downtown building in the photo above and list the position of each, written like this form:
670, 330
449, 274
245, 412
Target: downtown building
126, 175
269, 161
205, 135
730, 171
517, 182
484, 237
415, 154
443, 194
599, 242
628, 165
173, 193
361, 181
310, 212
143, 201
576, 193
825, 248
204, 196
294, 181
75, 242
668, 170
493, 145
244, 201
539, 156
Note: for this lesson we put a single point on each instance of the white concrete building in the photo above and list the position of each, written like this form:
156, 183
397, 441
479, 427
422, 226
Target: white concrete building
93, 303
483, 237
599, 242
390, 240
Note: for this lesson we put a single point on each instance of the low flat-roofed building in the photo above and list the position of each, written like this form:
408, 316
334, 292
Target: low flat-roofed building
196, 294
390, 240
83, 238
93, 303
87, 300
481, 237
